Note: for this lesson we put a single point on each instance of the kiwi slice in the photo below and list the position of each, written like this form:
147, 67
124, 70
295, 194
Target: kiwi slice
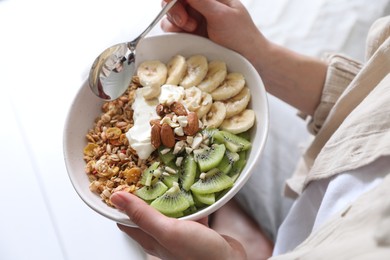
209, 158
152, 192
166, 154
171, 175
227, 161
233, 143
190, 210
206, 199
147, 175
246, 135
209, 132
188, 173
175, 215
189, 197
169, 179
212, 181
172, 202
238, 166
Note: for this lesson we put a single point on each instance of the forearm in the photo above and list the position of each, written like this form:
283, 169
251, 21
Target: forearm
296, 79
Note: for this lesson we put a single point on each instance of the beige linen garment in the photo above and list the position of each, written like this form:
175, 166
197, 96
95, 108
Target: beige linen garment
352, 129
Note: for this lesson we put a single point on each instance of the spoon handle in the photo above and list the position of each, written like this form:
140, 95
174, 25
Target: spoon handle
163, 11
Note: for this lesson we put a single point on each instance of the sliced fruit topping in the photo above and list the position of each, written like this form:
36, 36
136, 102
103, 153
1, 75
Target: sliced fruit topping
232, 85
189, 172
216, 74
205, 105
166, 155
207, 199
238, 103
177, 68
238, 166
152, 74
239, 123
188, 196
210, 157
211, 182
215, 116
227, 161
197, 66
147, 175
152, 192
171, 202
233, 143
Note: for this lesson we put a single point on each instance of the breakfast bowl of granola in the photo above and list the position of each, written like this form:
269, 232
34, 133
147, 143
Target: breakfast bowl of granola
184, 137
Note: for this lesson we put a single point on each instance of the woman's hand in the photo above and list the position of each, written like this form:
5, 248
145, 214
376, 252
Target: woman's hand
226, 22
170, 238
294, 78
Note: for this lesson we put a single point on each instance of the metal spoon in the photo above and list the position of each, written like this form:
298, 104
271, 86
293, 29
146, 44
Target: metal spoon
113, 69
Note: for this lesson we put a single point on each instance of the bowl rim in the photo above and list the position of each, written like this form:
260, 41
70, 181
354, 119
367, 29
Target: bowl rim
256, 153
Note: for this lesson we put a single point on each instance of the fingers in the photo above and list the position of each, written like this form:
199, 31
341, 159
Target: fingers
170, 238
145, 217
168, 26
209, 8
178, 18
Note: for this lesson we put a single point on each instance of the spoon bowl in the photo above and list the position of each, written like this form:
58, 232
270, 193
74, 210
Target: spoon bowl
113, 69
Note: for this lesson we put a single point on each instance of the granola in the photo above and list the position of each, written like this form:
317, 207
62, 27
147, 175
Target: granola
111, 164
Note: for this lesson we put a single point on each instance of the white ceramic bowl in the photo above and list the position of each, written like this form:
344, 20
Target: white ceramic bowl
86, 107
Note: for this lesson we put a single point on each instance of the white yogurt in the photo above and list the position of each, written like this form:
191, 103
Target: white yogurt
139, 135
170, 94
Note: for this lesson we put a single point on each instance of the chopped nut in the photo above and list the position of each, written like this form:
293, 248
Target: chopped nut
182, 120
193, 124
179, 131
165, 151
170, 170
168, 120
166, 174
167, 135
179, 161
189, 150
155, 137
160, 110
178, 147
178, 109
198, 139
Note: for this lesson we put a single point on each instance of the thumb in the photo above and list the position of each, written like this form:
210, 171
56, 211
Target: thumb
140, 213
209, 8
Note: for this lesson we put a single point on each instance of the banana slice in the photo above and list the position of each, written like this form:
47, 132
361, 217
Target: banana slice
152, 74
197, 67
151, 92
216, 74
239, 123
238, 103
215, 116
192, 98
177, 68
205, 104
232, 85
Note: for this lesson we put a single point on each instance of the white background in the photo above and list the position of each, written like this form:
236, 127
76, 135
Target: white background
46, 50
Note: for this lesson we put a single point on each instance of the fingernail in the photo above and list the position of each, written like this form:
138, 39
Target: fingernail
118, 200
190, 25
176, 19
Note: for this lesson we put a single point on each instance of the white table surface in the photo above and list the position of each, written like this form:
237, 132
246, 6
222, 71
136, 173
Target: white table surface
46, 50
